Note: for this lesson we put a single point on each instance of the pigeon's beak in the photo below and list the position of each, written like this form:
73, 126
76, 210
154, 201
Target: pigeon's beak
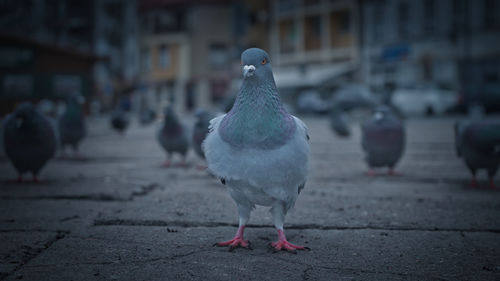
248, 70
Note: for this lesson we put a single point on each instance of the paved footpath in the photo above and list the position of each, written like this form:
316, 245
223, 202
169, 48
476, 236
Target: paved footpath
116, 214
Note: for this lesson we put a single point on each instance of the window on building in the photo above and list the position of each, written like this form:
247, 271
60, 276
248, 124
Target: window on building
403, 20
146, 60
218, 54
491, 15
340, 28
378, 22
164, 58
288, 36
312, 33
311, 3
429, 16
287, 6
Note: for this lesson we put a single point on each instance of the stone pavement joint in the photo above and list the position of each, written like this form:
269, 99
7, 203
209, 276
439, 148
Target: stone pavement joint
193, 224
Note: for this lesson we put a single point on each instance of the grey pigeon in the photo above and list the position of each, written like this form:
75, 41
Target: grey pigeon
29, 140
339, 123
259, 150
478, 143
383, 139
72, 128
173, 136
119, 120
200, 130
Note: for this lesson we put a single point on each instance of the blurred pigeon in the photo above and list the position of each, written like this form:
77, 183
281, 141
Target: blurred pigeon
352, 96
173, 136
310, 101
72, 128
146, 116
259, 150
383, 139
29, 139
339, 123
119, 120
200, 130
478, 143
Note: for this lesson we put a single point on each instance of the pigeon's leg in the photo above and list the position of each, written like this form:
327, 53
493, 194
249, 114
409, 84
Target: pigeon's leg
278, 212
35, 178
167, 162
238, 240
370, 172
183, 162
391, 172
474, 181
20, 178
491, 173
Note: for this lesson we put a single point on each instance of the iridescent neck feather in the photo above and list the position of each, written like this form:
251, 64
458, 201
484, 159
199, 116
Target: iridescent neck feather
257, 119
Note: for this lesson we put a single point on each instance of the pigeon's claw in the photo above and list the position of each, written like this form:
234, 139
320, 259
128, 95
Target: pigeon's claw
287, 246
236, 242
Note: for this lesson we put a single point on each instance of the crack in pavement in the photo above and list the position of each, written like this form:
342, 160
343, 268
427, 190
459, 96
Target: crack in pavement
193, 224
35, 253
122, 263
143, 190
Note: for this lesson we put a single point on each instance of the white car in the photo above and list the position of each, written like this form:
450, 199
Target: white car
428, 99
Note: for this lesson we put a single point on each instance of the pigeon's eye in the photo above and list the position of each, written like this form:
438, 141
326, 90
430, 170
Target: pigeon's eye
264, 61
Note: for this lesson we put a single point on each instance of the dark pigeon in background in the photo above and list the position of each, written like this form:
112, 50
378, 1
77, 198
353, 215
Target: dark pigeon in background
200, 130
173, 136
478, 143
339, 123
383, 139
119, 120
29, 140
72, 128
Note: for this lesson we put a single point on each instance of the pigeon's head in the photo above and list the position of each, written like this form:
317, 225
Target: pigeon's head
25, 114
169, 114
202, 114
255, 64
382, 113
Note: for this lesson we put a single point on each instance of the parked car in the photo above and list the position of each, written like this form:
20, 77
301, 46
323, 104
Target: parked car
424, 99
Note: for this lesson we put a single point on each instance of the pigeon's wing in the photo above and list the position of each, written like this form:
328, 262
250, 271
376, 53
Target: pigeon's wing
302, 127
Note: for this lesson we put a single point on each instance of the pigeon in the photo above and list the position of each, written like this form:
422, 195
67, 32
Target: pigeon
478, 143
339, 123
173, 136
29, 140
119, 120
258, 150
72, 128
200, 130
383, 139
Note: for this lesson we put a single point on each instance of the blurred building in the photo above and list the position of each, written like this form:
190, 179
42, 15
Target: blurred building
185, 50
105, 28
313, 42
413, 42
32, 71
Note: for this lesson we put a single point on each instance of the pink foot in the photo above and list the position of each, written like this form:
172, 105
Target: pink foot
474, 184
370, 173
391, 172
492, 184
166, 164
283, 244
201, 167
236, 242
